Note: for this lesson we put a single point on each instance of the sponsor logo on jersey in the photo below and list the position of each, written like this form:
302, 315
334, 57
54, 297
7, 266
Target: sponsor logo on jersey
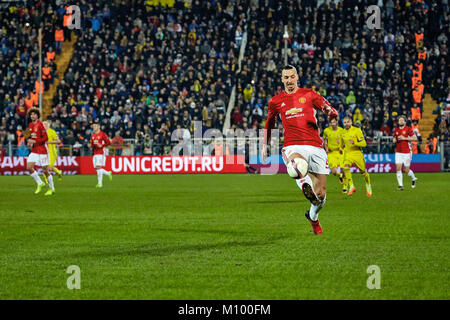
293, 111
283, 104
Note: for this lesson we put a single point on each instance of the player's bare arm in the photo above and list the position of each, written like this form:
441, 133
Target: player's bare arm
403, 138
270, 124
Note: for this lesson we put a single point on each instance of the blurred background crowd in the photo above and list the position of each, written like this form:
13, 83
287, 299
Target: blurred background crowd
144, 69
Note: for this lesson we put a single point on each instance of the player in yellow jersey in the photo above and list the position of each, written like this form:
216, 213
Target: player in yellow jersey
353, 141
53, 140
333, 146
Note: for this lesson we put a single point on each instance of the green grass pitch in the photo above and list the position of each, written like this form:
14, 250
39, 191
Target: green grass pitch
223, 237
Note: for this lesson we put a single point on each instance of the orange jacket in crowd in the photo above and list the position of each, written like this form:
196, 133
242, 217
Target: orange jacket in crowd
35, 98
417, 95
421, 88
46, 73
415, 81
415, 114
415, 147
420, 66
422, 55
50, 56
29, 103
20, 138
417, 74
67, 17
419, 36
432, 144
37, 86
59, 35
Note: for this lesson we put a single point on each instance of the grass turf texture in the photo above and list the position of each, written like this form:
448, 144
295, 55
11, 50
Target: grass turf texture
222, 237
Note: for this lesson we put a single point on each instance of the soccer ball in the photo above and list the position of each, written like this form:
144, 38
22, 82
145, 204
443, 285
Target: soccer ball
297, 168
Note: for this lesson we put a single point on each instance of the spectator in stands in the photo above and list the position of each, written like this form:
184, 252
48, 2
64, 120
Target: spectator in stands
117, 143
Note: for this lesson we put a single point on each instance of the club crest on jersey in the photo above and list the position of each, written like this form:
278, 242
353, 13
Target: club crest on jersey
293, 111
302, 100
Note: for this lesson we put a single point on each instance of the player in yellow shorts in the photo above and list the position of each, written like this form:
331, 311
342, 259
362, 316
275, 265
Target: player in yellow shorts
333, 147
353, 141
53, 140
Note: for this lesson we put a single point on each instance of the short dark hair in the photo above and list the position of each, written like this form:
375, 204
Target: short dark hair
289, 67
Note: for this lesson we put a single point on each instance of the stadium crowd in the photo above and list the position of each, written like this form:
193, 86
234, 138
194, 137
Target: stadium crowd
140, 68
371, 75
145, 68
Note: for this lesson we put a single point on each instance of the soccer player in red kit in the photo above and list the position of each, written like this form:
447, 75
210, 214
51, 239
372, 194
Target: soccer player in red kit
39, 151
403, 136
99, 140
297, 108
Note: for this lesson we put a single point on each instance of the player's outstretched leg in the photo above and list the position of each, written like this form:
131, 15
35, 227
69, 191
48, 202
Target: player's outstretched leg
319, 188
344, 182
313, 187
398, 167
100, 173
51, 190
51, 185
34, 174
306, 185
99, 178
341, 178
362, 169
45, 178
348, 177
107, 173
412, 176
400, 180
368, 185
58, 172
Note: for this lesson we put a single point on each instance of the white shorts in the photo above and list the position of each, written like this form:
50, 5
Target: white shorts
42, 160
316, 157
403, 158
99, 160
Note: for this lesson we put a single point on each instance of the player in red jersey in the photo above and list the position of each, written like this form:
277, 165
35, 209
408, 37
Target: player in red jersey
99, 140
39, 151
403, 136
297, 108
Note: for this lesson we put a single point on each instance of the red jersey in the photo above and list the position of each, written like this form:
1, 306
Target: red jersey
403, 146
298, 114
99, 138
39, 134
